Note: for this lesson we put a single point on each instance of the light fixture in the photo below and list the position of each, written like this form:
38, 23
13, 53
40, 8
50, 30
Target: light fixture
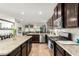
22, 13
40, 12
21, 19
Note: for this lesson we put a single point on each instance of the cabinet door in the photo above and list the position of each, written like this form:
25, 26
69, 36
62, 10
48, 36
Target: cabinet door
35, 39
55, 13
71, 15
59, 10
16, 52
24, 49
59, 50
27, 48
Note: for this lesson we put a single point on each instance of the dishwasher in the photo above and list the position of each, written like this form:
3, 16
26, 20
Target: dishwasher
51, 46
42, 38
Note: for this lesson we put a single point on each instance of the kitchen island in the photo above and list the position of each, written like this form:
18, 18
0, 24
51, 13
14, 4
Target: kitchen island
20, 45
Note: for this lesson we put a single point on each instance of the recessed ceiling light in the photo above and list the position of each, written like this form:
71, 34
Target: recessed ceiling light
40, 12
21, 19
22, 13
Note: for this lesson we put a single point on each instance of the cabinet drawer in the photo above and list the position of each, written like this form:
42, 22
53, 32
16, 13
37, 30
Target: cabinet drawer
24, 51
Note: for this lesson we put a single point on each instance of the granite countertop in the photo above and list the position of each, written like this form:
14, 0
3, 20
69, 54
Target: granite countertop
72, 49
36, 33
8, 45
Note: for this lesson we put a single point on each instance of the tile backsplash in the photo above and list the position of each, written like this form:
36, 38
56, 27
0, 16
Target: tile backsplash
73, 31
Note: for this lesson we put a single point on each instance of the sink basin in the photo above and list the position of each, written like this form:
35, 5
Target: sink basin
67, 42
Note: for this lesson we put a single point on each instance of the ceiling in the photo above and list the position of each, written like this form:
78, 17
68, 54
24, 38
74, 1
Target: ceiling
28, 12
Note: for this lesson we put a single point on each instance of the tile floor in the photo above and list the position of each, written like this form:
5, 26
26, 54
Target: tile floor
40, 50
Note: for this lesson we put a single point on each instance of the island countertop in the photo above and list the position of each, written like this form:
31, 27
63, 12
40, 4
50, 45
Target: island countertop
8, 45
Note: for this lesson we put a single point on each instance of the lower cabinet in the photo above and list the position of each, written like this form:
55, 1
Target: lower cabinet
67, 54
46, 39
26, 48
16, 52
35, 38
59, 51
29, 46
22, 50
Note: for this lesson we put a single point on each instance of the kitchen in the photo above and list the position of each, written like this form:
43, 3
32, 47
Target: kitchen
39, 29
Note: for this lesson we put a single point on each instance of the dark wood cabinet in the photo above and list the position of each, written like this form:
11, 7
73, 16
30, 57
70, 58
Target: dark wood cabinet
35, 38
22, 50
50, 23
26, 47
67, 14
59, 12
59, 51
29, 46
58, 17
46, 39
71, 15
16, 52
55, 13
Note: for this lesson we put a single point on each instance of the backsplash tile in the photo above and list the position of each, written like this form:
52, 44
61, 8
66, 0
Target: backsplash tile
73, 31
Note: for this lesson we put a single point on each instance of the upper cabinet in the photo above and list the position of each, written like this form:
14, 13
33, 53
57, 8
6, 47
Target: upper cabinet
55, 13
50, 23
58, 16
71, 15
65, 15
59, 6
